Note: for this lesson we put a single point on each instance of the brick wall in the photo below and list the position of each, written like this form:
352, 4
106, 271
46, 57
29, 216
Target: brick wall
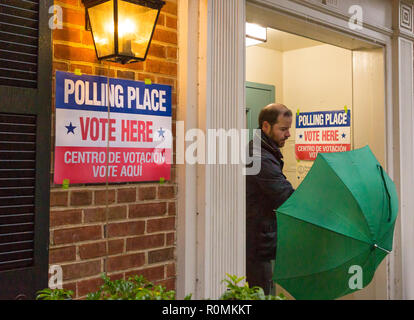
141, 217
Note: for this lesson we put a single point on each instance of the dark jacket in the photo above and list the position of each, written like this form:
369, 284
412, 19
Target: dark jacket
265, 192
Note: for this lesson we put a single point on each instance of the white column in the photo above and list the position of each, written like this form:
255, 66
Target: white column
402, 258
221, 220
407, 162
211, 197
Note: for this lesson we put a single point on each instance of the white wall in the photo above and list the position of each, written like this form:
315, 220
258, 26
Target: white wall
317, 78
369, 129
369, 101
265, 66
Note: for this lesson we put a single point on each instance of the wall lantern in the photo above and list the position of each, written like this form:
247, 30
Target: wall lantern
122, 30
255, 34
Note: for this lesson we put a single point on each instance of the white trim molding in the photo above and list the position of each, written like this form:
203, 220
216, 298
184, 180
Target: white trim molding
211, 198
406, 76
406, 16
402, 259
222, 205
187, 174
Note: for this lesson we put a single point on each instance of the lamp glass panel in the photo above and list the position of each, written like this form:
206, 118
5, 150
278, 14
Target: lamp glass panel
101, 18
135, 25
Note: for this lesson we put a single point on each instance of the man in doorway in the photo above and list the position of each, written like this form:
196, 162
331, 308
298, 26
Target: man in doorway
265, 192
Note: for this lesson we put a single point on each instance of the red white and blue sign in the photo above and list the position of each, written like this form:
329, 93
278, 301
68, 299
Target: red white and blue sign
137, 129
325, 131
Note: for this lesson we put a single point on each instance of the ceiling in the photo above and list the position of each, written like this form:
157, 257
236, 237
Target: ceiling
283, 41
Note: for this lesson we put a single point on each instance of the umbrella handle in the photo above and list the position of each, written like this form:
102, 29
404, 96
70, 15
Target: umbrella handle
386, 189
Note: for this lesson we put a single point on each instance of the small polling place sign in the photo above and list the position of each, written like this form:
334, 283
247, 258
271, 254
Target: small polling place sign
138, 128
323, 131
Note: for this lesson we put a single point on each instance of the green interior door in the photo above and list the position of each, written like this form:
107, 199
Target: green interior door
258, 95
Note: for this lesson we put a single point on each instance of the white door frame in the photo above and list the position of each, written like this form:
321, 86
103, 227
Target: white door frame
207, 198
211, 198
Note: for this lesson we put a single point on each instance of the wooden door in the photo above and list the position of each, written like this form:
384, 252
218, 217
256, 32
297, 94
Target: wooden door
25, 120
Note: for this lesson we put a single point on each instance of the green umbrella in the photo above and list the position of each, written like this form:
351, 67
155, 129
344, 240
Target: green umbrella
337, 227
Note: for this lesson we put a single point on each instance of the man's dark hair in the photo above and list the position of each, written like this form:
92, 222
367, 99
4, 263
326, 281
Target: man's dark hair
272, 112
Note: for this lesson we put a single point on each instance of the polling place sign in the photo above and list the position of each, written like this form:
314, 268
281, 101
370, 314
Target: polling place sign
324, 131
131, 142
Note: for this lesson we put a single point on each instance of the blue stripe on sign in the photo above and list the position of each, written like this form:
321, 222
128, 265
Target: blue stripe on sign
87, 92
323, 119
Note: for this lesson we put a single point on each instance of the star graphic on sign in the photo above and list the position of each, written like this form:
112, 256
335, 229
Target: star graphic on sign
70, 128
161, 133
343, 136
300, 136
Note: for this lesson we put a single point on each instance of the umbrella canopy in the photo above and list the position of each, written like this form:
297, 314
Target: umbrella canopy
340, 221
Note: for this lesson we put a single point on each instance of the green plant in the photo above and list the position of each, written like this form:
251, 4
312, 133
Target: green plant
138, 288
55, 294
135, 288
236, 292
188, 296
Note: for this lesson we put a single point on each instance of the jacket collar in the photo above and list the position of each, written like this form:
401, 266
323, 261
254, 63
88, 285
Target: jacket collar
270, 145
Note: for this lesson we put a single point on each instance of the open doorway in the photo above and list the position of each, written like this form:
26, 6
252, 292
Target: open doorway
316, 72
